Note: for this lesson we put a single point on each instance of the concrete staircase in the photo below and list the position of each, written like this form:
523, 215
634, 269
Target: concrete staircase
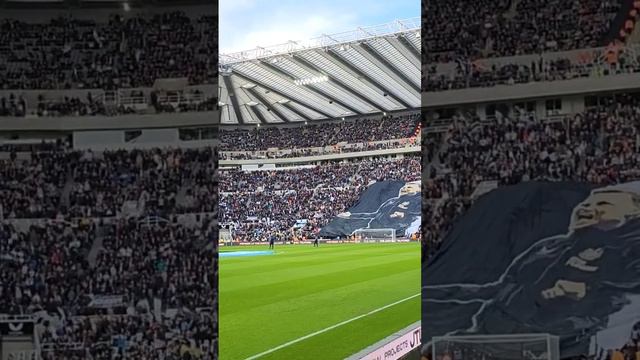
65, 196
634, 38
98, 240
181, 196
512, 11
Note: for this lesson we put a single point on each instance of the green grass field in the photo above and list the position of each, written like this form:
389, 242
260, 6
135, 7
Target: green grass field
270, 301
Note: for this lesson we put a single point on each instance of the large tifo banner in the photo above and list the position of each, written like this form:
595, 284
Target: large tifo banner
557, 258
384, 205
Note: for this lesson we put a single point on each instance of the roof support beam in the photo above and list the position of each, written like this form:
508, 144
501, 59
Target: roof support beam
225, 110
304, 63
262, 84
310, 87
264, 101
296, 111
394, 69
352, 109
335, 56
409, 47
407, 51
258, 114
233, 98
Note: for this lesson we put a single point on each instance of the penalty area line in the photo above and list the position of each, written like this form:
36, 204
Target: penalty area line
267, 352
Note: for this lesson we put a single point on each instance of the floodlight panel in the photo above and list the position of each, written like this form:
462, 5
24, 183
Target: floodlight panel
322, 82
349, 79
285, 87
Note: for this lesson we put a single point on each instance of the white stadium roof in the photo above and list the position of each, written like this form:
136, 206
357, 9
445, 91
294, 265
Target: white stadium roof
367, 71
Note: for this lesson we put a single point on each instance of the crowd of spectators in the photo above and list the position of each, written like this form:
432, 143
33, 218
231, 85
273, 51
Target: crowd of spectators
70, 106
296, 153
597, 63
14, 106
185, 335
183, 101
67, 249
94, 105
474, 29
162, 182
257, 204
323, 135
112, 253
598, 146
59, 144
32, 188
123, 52
158, 182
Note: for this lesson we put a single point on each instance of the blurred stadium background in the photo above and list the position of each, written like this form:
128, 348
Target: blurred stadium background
108, 179
529, 106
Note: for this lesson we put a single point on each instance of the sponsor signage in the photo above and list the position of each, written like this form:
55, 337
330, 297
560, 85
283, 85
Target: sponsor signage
17, 328
106, 301
396, 348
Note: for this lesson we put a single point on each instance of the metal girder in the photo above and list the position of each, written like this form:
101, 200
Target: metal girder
381, 59
226, 108
407, 50
232, 96
304, 63
310, 87
409, 46
264, 101
334, 55
298, 112
262, 84
258, 114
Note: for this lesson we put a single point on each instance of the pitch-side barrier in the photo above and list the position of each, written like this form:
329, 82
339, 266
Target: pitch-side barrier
394, 346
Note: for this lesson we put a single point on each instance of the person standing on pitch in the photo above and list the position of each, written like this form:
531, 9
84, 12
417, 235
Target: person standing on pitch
272, 240
316, 238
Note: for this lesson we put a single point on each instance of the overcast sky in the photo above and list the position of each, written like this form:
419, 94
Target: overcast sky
246, 24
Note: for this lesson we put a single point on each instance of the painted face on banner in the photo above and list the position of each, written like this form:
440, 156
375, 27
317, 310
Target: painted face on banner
410, 188
605, 209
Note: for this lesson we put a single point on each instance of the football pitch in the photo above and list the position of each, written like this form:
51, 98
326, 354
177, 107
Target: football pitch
324, 303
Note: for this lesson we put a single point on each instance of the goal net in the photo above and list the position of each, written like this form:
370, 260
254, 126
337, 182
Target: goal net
496, 347
375, 235
225, 237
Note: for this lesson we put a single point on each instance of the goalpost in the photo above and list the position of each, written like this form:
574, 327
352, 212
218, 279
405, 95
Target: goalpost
496, 347
225, 237
375, 235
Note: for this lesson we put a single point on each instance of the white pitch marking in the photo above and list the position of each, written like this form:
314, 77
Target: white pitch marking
329, 328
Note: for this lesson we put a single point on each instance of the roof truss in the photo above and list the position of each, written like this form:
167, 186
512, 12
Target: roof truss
376, 75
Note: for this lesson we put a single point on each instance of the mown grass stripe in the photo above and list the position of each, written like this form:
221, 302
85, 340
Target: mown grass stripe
330, 328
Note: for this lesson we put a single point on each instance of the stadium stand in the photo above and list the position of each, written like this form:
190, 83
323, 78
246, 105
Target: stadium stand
476, 153
521, 94
309, 130
109, 66
108, 235
122, 52
514, 42
597, 146
488, 28
319, 193
294, 193
387, 132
